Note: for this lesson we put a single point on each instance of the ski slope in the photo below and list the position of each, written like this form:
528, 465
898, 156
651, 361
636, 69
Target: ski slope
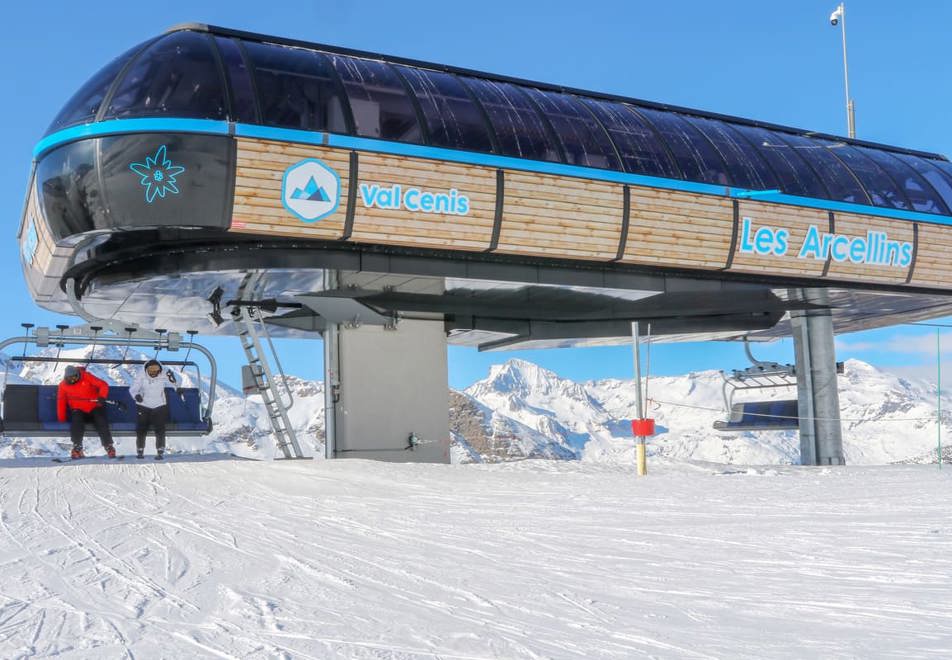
211, 557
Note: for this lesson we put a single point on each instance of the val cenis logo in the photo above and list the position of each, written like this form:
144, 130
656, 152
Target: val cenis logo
157, 175
310, 190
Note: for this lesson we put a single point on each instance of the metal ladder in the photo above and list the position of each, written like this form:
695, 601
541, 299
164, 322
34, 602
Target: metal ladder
284, 436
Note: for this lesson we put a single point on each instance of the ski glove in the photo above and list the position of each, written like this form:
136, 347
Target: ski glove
138, 398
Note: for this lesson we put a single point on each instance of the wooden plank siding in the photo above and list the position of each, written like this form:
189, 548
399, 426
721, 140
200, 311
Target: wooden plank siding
565, 217
857, 225
434, 230
797, 221
258, 206
560, 217
686, 230
934, 256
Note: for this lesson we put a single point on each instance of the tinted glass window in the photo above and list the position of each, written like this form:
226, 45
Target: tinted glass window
296, 88
69, 188
745, 166
881, 189
583, 140
921, 195
839, 180
943, 165
378, 99
695, 154
452, 117
641, 151
941, 183
84, 104
239, 79
177, 76
519, 129
793, 173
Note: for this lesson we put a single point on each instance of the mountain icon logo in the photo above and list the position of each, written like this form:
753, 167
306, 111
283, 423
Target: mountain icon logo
310, 190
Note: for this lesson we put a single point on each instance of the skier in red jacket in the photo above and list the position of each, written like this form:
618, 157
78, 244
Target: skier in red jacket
81, 395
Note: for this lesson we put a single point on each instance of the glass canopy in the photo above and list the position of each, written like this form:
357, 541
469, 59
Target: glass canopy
206, 74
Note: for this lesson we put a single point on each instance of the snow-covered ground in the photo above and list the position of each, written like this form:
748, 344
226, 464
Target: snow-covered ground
210, 557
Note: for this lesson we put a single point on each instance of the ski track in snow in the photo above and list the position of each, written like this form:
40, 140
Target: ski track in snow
205, 557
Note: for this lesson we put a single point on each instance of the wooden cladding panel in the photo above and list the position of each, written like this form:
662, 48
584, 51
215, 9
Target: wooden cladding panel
554, 216
678, 229
796, 221
560, 217
857, 226
472, 231
933, 257
259, 208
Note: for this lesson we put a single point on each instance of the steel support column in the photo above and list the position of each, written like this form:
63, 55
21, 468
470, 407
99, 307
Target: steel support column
821, 437
331, 337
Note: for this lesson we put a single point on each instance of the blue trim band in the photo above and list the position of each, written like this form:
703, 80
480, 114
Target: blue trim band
215, 127
280, 134
115, 126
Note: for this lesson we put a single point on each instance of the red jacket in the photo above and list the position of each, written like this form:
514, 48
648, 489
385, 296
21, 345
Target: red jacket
81, 395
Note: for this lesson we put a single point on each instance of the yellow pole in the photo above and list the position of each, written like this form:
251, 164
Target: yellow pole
636, 350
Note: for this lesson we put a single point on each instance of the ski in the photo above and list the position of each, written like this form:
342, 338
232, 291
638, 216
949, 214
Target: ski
97, 459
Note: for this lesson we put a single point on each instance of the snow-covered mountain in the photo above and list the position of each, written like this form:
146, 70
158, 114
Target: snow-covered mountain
885, 418
521, 410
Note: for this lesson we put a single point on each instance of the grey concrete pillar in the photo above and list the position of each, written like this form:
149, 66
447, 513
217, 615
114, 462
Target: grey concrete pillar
393, 402
821, 436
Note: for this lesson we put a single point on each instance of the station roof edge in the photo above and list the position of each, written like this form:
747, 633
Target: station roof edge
298, 43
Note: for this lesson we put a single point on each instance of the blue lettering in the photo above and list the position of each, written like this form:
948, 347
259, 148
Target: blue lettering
385, 198
746, 245
858, 250
442, 203
411, 199
782, 244
892, 253
369, 194
414, 199
906, 258
763, 240
811, 244
839, 241
825, 248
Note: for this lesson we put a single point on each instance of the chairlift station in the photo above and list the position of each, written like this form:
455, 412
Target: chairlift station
240, 184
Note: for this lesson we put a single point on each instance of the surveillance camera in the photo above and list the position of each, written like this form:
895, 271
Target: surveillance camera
834, 20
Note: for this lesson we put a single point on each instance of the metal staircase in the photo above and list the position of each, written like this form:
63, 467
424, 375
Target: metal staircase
250, 328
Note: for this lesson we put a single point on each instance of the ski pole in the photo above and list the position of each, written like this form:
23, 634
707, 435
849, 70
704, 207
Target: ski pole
112, 402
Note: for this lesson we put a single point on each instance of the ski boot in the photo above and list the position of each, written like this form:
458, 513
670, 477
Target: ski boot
77, 454
159, 455
140, 453
111, 451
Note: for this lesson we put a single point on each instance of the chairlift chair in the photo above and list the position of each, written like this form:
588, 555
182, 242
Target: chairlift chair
772, 415
30, 410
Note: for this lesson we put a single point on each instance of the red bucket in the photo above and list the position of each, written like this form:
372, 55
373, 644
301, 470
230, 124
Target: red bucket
642, 428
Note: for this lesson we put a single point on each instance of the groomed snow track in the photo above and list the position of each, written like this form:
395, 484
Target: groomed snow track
206, 556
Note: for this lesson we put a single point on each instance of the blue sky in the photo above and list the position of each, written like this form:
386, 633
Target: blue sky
774, 61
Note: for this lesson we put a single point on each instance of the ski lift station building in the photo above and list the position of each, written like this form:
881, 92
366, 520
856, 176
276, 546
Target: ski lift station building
208, 176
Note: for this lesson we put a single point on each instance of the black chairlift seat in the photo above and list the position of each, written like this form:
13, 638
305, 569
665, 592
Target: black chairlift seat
31, 410
779, 415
